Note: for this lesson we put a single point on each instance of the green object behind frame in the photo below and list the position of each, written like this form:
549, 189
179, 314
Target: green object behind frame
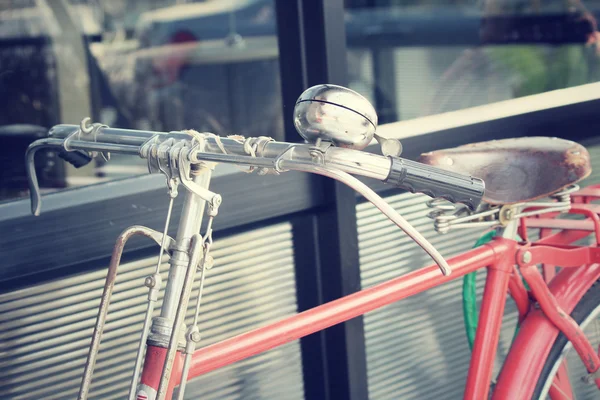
470, 295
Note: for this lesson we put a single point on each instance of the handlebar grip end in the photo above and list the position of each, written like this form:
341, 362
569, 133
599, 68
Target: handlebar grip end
76, 158
35, 206
34, 187
34, 194
436, 182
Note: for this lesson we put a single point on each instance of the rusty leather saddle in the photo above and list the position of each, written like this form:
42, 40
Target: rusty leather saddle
517, 170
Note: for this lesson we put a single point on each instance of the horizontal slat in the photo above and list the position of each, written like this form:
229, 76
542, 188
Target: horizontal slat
81, 225
417, 348
45, 331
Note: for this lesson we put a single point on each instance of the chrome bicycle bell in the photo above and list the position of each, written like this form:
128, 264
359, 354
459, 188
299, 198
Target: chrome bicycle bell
335, 114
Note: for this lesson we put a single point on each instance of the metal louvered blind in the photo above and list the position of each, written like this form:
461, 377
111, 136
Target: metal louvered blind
417, 348
45, 330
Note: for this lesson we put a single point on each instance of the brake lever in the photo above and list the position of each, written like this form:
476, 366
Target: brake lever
378, 202
34, 187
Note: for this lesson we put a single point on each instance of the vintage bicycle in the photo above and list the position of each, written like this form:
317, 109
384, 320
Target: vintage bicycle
557, 310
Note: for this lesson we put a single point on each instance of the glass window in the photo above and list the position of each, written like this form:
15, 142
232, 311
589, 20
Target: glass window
415, 58
159, 64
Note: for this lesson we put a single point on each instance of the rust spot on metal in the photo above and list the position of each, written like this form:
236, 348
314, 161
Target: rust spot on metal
577, 157
591, 362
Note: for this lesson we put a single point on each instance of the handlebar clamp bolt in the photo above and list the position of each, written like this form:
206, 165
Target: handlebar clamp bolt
195, 336
150, 282
526, 257
208, 263
216, 203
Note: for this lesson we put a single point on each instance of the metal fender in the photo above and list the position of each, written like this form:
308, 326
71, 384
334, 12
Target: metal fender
525, 361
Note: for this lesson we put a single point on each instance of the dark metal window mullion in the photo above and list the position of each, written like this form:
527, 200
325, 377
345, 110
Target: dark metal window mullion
312, 50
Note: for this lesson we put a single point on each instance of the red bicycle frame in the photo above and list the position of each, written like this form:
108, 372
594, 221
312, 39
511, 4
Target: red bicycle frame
539, 328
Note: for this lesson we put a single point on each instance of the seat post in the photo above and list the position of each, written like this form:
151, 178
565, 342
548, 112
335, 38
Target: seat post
510, 230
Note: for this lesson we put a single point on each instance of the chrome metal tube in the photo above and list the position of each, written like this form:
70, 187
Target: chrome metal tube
510, 230
191, 346
128, 142
88, 145
153, 289
378, 202
189, 224
184, 374
110, 147
106, 134
242, 160
140, 351
34, 187
358, 162
196, 250
350, 161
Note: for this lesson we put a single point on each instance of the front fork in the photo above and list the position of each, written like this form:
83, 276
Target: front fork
164, 361
163, 351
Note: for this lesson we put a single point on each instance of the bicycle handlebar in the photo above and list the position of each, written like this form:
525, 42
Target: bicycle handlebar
269, 154
174, 153
436, 182
322, 116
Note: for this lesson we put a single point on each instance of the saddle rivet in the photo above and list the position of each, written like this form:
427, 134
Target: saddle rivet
526, 257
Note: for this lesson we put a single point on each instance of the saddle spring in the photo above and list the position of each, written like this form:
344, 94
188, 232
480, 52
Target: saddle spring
564, 196
448, 215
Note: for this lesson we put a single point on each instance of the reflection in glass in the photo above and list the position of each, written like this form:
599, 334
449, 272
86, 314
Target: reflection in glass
160, 65
417, 58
